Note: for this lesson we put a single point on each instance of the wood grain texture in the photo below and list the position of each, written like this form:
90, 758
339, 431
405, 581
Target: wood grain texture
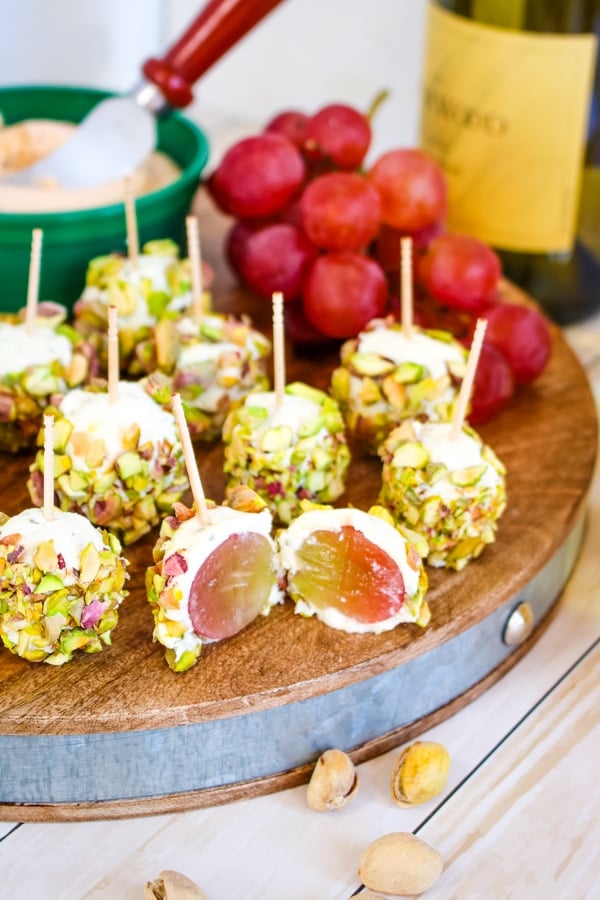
278, 781
546, 438
489, 826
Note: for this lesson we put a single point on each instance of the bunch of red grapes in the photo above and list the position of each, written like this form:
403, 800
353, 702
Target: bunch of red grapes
314, 221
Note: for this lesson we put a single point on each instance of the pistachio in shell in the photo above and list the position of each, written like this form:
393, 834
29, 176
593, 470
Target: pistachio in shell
400, 864
420, 773
172, 885
333, 781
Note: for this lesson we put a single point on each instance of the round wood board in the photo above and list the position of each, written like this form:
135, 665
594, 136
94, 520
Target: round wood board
159, 741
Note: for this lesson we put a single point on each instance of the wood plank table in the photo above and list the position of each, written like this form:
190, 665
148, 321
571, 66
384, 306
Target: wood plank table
517, 818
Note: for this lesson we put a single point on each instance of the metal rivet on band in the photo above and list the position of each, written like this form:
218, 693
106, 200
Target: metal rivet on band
519, 625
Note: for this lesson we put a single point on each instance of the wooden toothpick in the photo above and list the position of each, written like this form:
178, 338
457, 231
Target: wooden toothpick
278, 348
406, 285
113, 355
466, 387
133, 243
190, 461
195, 255
33, 282
48, 507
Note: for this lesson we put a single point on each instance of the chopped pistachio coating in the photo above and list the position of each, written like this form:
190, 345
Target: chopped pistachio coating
386, 377
123, 476
61, 585
450, 491
157, 287
298, 452
185, 545
24, 394
213, 365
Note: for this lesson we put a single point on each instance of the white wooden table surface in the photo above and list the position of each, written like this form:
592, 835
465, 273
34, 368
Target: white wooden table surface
519, 817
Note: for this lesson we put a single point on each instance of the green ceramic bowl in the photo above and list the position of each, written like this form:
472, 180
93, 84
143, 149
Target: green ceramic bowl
71, 239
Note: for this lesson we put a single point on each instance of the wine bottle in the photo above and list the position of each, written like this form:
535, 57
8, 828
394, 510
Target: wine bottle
511, 111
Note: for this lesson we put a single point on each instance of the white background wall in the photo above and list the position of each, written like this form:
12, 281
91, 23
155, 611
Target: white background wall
304, 54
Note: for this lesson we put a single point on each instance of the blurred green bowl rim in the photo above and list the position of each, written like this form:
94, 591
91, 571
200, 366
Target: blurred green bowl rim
72, 103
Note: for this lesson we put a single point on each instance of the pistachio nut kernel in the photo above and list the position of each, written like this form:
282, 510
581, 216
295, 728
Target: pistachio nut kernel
26, 395
400, 864
456, 510
45, 616
333, 781
303, 459
157, 289
172, 885
213, 365
420, 773
385, 378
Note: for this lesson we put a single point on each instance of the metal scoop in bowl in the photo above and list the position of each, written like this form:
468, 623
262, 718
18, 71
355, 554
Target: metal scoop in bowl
120, 132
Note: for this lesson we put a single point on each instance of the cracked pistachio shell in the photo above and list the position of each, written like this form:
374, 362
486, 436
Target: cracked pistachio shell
171, 885
420, 773
333, 781
400, 864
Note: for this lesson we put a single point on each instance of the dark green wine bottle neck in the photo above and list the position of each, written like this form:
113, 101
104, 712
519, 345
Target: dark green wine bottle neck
546, 16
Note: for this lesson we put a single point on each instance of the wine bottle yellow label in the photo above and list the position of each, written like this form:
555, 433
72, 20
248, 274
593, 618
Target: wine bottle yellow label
505, 113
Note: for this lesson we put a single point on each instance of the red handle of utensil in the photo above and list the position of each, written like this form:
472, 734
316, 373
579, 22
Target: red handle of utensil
220, 25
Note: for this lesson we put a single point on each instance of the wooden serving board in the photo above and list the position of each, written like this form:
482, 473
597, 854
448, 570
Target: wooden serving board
118, 733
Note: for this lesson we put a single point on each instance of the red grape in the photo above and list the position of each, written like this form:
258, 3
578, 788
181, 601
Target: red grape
210, 183
493, 387
257, 176
431, 314
298, 329
460, 271
412, 187
394, 309
523, 335
291, 213
387, 246
342, 292
235, 242
345, 571
338, 134
276, 257
340, 211
232, 585
291, 124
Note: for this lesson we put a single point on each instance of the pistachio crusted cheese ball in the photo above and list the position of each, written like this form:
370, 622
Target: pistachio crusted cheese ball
120, 464
211, 579
61, 585
386, 376
157, 285
212, 365
452, 491
356, 571
35, 366
287, 454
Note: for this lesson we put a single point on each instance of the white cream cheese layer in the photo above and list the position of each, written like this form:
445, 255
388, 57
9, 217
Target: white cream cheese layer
151, 267
195, 542
294, 411
70, 532
376, 530
188, 327
393, 344
456, 454
192, 357
94, 414
20, 350
204, 351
